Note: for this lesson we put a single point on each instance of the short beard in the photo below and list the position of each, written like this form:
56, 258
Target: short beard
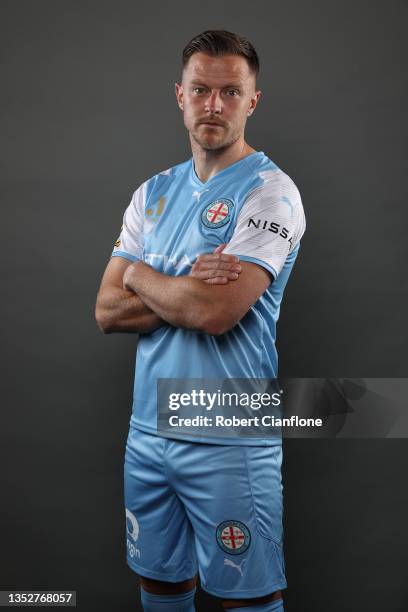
216, 147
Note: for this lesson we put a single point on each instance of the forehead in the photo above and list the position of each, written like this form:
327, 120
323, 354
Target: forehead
228, 69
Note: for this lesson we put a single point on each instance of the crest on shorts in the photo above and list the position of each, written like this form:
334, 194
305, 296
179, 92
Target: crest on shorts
233, 537
218, 213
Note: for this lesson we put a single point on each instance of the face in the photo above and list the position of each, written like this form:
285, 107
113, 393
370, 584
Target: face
217, 95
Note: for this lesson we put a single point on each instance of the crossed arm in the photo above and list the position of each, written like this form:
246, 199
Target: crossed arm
121, 310
135, 297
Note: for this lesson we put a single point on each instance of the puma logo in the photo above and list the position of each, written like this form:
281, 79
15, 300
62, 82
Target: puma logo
237, 567
198, 194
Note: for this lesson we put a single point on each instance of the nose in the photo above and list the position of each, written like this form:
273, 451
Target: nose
213, 103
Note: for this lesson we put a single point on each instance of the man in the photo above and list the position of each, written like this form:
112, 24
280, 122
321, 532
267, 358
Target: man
205, 310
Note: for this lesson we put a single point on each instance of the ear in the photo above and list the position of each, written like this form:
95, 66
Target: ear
179, 95
254, 102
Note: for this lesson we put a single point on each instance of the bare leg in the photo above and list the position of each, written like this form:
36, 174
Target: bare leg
159, 587
241, 603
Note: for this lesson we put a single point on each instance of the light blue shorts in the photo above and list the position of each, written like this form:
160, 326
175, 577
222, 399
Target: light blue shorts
207, 507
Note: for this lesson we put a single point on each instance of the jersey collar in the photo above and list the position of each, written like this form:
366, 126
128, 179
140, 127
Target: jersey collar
252, 157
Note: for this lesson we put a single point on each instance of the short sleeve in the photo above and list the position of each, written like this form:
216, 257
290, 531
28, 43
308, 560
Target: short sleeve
130, 242
270, 224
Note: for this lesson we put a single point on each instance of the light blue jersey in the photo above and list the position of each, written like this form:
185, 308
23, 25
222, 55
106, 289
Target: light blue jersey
256, 209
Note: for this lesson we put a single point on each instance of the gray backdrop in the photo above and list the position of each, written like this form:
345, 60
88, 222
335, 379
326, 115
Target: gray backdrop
88, 112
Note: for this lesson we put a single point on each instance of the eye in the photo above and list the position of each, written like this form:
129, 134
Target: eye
232, 92
199, 91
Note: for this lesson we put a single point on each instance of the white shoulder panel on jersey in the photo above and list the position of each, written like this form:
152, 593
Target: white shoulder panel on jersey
270, 224
130, 241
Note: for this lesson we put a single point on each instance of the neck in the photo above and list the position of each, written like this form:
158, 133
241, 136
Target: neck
208, 163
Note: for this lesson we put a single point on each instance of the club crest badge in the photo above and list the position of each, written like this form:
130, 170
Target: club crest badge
218, 213
233, 537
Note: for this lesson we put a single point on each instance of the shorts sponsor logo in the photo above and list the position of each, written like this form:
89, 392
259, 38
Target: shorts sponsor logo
235, 565
233, 537
218, 213
132, 528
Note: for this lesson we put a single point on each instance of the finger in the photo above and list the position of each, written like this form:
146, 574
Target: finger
227, 257
208, 257
217, 280
220, 247
207, 274
231, 266
216, 257
218, 265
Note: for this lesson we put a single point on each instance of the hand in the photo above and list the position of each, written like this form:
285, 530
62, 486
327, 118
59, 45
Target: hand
216, 268
128, 276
